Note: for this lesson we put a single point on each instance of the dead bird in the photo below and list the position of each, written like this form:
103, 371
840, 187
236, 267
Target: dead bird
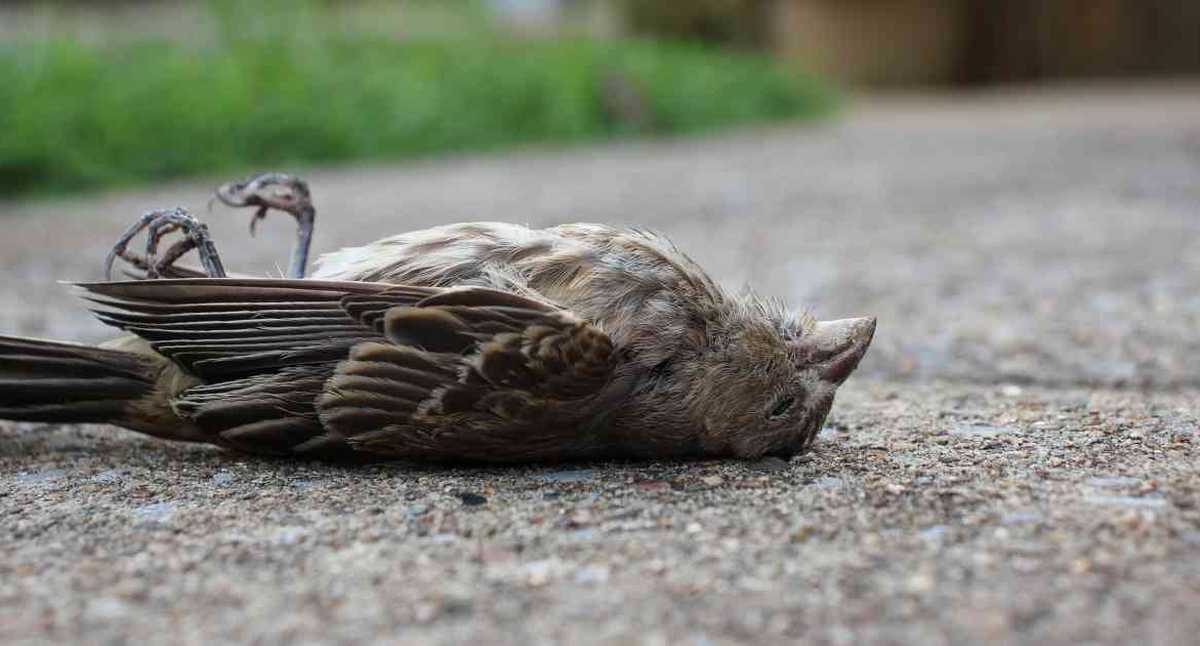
485, 342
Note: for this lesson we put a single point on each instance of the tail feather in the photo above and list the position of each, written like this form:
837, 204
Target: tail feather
51, 381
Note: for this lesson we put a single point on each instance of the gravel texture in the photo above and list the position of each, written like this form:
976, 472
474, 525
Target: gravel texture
1018, 459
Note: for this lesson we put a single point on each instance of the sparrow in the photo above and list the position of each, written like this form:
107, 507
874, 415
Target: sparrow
474, 342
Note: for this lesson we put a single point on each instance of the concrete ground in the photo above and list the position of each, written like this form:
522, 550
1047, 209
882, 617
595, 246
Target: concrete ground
1016, 461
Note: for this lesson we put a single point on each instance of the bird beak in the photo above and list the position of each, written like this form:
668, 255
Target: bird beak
834, 348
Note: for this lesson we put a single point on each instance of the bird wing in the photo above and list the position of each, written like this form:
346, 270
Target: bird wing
222, 329
468, 373
392, 369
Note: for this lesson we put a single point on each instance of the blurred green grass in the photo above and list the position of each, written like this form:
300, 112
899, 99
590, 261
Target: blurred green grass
76, 116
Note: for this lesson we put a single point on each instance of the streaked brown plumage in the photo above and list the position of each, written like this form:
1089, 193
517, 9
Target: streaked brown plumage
481, 342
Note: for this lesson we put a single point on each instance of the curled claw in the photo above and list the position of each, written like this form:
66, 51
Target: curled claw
259, 215
157, 225
119, 249
267, 191
276, 191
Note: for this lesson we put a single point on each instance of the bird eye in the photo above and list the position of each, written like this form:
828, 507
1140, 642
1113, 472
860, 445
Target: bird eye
782, 406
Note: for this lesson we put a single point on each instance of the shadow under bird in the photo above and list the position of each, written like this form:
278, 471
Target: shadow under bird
470, 342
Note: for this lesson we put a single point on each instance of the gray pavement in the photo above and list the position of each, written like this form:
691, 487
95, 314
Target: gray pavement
1017, 460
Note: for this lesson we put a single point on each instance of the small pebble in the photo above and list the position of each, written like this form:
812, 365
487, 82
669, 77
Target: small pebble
158, 512
472, 499
980, 430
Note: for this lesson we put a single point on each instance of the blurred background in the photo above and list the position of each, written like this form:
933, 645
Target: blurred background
1012, 187
105, 93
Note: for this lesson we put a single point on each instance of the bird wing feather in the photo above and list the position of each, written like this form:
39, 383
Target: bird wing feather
314, 365
222, 329
486, 375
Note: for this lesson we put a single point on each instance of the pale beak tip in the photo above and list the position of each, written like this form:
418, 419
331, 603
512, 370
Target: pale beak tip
861, 332
867, 326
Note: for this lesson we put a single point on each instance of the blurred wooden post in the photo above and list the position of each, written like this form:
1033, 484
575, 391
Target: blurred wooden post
872, 42
922, 42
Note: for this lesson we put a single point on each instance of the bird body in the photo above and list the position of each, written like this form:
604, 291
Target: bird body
479, 342
634, 285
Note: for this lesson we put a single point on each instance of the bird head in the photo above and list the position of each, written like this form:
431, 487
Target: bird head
762, 387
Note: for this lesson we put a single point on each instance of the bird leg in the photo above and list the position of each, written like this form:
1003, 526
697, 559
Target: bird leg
276, 191
158, 224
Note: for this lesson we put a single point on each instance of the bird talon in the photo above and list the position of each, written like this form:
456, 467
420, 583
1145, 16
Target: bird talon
258, 216
157, 225
275, 191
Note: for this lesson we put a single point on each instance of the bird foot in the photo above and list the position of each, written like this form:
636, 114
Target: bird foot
157, 225
280, 191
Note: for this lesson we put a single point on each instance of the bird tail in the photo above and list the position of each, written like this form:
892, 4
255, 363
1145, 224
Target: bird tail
50, 381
